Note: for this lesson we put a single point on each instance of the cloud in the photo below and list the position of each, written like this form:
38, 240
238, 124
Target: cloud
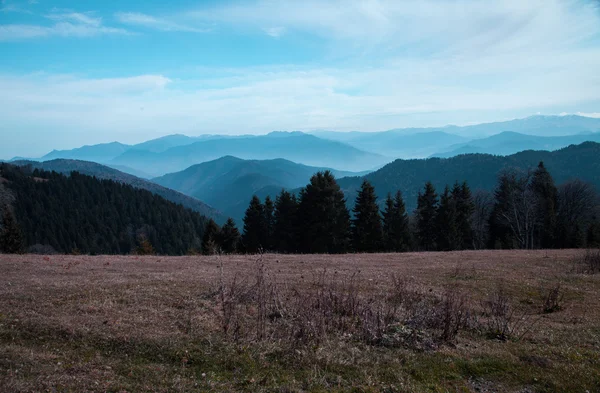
148, 21
595, 115
274, 32
85, 19
67, 24
17, 32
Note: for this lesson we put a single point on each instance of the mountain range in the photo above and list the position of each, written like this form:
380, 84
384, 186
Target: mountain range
509, 142
480, 171
228, 183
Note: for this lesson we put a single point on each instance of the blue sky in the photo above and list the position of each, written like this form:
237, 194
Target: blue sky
74, 73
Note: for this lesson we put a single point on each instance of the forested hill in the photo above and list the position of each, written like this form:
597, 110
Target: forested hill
478, 170
66, 166
88, 215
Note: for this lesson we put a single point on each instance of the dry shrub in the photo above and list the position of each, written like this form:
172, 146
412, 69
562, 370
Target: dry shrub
502, 320
588, 262
553, 299
338, 305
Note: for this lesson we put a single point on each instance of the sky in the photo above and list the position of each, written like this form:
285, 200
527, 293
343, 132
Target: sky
84, 72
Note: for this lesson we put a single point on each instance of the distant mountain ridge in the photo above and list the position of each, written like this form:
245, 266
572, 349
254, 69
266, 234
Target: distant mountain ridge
297, 147
478, 170
228, 183
509, 142
103, 172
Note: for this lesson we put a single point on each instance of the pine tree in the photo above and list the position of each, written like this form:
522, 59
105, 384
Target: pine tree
254, 227
367, 234
11, 238
545, 194
447, 236
211, 239
269, 223
426, 214
323, 219
229, 237
396, 231
465, 207
284, 236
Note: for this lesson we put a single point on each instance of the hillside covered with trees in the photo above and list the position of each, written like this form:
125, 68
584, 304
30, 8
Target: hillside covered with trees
480, 171
79, 213
526, 210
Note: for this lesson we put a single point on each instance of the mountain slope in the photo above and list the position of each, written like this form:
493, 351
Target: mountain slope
228, 183
297, 147
106, 173
424, 142
509, 142
164, 143
85, 214
478, 170
398, 143
97, 153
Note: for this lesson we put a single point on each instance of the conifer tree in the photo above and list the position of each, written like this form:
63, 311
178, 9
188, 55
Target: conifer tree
545, 194
254, 227
229, 238
11, 238
323, 219
284, 236
465, 207
269, 223
426, 214
210, 240
366, 225
396, 231
447, 237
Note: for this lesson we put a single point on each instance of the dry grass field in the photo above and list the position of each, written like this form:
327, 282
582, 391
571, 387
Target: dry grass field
490, 321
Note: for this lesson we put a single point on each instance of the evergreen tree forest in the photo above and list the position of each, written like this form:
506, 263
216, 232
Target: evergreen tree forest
78, 213
82, 214
526, 211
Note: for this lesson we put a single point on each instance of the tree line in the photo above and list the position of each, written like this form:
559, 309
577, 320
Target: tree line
51, 212
526, 210
78, 213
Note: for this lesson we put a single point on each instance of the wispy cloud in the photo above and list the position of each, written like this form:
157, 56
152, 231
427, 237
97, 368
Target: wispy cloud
274, 32
67, 24
76, 17
17, 32
151, 22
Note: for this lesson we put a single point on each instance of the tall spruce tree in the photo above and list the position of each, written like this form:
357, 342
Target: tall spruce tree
447, 236
269, 223
367, 234
11, 238
254, 227
426, 213
465, 208
545, 194
284, 234
229, 237
323, 219
396, 231
211, 239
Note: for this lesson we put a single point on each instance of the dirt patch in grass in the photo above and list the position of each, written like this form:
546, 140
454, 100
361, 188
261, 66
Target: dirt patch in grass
150, 323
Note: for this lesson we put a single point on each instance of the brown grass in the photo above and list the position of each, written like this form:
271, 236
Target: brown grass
231, 323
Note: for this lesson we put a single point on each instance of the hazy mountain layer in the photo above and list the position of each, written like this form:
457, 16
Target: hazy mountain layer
228, 183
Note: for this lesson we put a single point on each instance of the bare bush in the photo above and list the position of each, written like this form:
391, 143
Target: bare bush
337, 305
588, 262
502, 320
553, 299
